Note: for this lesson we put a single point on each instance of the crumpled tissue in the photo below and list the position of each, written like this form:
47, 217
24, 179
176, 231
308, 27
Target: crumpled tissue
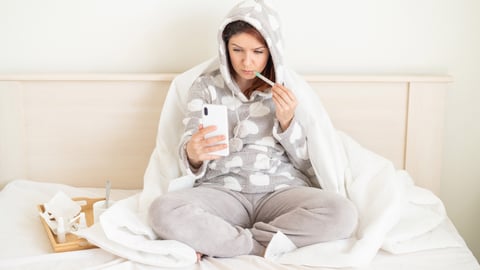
63, 215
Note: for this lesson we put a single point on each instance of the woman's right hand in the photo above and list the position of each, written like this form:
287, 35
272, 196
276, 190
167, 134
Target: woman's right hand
199, 148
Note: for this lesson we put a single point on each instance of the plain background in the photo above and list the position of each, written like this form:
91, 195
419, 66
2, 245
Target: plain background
439, 37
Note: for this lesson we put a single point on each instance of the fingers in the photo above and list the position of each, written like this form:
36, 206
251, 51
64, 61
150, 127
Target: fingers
283, 94
285, 105
213, 148
202, 132
199, 147
284, 99
201, 136
203, 153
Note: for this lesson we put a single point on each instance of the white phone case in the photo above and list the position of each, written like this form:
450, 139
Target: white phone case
216, 115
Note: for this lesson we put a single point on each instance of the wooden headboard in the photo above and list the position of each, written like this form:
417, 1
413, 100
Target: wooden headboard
82, 129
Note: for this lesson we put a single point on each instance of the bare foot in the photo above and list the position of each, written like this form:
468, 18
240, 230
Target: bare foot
199, 256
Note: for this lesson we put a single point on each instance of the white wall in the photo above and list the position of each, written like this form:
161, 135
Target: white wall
345, 36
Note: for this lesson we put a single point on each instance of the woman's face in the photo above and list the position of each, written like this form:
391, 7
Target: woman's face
247, 55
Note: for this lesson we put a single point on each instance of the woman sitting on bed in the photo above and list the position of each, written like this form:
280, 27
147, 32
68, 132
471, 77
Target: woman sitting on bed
262, 187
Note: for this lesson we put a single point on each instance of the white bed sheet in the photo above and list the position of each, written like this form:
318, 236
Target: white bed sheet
24, 244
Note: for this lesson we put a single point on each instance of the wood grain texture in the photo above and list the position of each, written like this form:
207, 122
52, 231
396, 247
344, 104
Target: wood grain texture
82, 129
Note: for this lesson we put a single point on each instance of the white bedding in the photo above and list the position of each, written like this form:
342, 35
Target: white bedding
394, 214
396, 217
26, 246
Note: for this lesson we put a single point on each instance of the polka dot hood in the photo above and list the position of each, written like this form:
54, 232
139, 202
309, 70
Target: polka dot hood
262, 157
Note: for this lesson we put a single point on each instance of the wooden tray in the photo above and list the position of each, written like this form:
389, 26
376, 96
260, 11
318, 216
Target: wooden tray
72, 242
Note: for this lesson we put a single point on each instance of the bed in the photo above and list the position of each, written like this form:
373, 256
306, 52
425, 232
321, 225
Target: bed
72, 132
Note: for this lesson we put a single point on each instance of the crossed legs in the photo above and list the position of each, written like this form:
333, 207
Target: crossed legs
223, 223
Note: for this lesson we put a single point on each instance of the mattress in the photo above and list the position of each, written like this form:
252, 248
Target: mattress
25, 244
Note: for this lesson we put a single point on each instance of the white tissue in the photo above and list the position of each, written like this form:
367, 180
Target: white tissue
62, 206
61, 214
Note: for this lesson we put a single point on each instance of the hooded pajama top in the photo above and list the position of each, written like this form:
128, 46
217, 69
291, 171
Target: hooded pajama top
270, 157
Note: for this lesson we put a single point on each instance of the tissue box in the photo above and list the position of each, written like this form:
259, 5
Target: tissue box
72, 242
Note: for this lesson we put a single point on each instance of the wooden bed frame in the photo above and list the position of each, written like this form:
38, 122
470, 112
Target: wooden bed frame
82, 129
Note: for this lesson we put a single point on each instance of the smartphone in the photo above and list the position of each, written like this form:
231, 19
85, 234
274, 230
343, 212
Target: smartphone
216, 115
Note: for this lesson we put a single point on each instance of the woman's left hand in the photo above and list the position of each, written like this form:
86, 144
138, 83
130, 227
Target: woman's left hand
285, 104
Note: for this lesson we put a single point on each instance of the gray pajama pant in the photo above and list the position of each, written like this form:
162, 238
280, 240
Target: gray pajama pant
223, 223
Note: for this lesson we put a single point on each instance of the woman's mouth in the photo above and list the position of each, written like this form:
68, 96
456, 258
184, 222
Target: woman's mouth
249, 72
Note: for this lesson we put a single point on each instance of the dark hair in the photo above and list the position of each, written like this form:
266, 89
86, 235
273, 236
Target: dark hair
238, 27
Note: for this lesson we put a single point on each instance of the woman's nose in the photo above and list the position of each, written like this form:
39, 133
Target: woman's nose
247, 60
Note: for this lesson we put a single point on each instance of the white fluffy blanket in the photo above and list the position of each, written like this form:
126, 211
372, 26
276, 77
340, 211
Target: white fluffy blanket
394, 214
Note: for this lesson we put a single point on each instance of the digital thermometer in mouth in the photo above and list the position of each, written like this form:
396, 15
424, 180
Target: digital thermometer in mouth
265, 79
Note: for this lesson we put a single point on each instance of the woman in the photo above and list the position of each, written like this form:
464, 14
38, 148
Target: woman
263, 186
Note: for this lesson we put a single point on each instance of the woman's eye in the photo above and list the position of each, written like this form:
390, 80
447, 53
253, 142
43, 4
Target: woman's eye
258, 52
236, 50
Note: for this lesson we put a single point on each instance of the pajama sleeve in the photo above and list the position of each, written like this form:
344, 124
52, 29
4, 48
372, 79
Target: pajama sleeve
294, 141
196, 98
